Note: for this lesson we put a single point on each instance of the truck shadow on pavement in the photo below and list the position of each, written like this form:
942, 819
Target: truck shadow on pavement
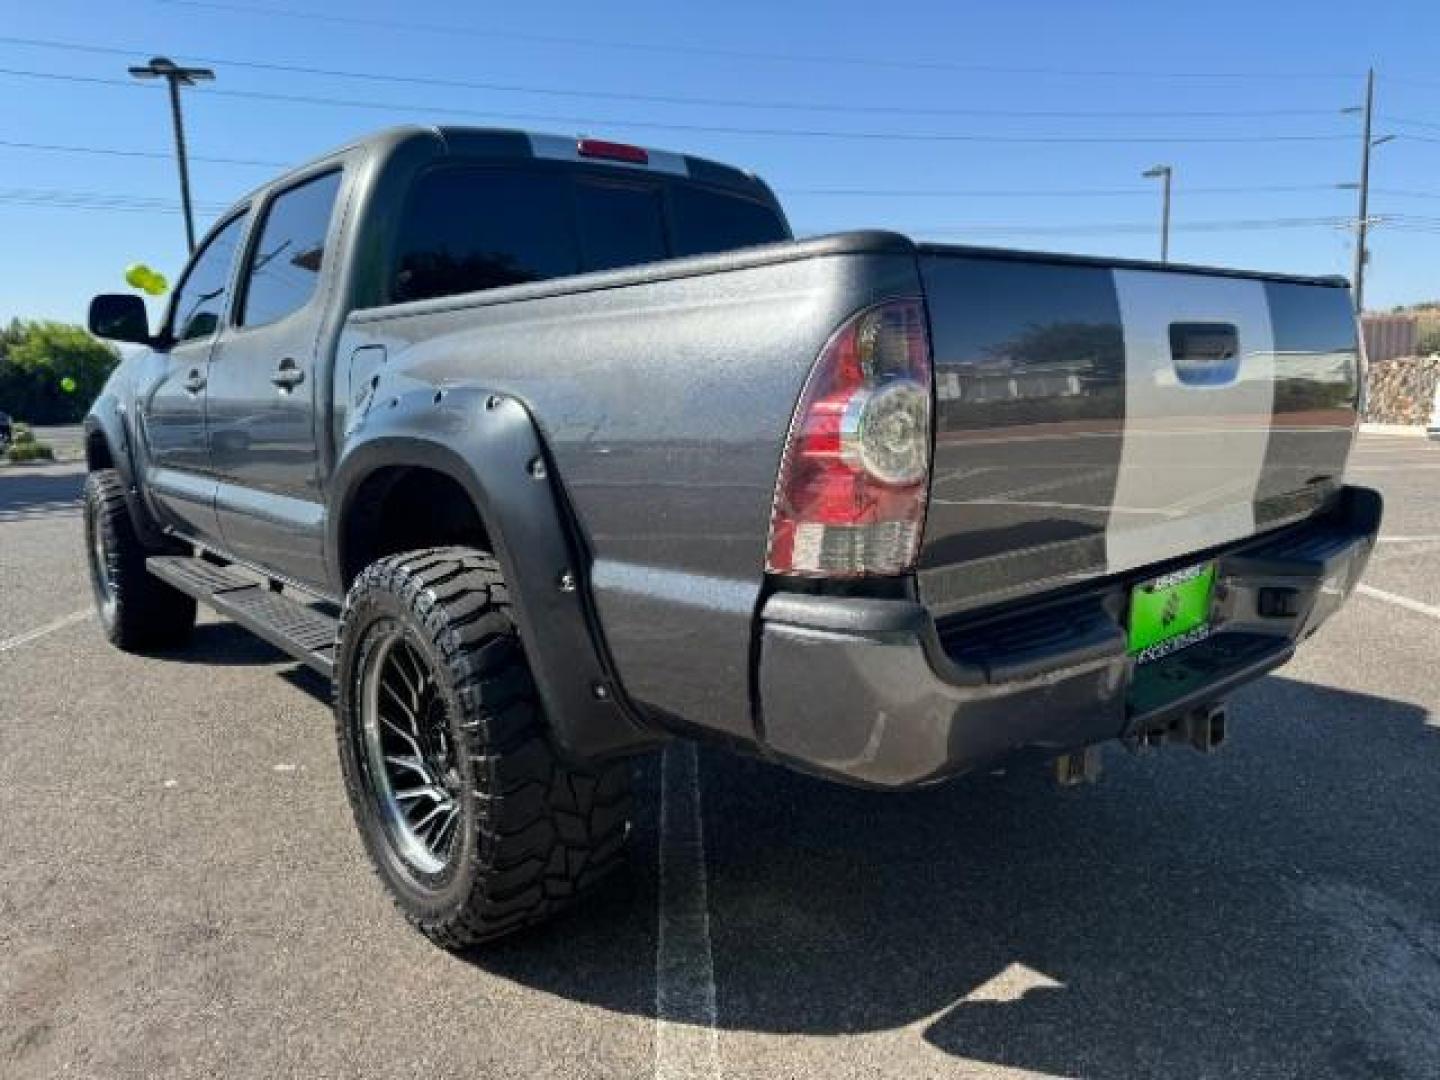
225, 644
1268, 913
30, 491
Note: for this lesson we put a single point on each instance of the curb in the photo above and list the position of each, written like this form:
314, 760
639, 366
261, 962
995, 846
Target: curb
1413, 430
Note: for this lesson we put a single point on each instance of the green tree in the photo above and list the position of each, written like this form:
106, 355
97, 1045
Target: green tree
51, 371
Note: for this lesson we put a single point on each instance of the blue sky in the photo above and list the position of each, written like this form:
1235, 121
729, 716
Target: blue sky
1102, 77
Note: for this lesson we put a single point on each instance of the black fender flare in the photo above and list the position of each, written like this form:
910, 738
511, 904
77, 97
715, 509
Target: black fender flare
489, 444
106, 420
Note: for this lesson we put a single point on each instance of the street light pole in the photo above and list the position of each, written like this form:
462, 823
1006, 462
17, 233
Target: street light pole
1163, 173
177, 76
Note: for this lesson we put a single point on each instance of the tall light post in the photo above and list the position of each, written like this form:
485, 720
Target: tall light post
1362, 219
177, 76
1163, 173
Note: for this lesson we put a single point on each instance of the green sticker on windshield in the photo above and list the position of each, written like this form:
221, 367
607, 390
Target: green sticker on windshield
1171, 612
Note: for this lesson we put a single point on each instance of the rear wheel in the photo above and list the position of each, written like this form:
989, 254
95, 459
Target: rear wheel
137, 610
473, 821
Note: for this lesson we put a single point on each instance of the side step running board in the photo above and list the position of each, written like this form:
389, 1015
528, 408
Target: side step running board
298, 629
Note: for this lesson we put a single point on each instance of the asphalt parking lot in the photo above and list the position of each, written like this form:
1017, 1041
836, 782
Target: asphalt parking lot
182, 892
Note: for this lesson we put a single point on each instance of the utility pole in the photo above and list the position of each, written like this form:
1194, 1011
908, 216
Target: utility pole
1362, 219
1361, 222
177, 76
1163, 173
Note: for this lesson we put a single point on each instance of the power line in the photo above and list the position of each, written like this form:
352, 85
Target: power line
911, 63
1400, 193
1146, 227
1139, 228
98, 200
61, 195
1411, 122
113, 151
816, 133
1410, 79
676, 99
887, 193
1045, 193
86, 201
896, 193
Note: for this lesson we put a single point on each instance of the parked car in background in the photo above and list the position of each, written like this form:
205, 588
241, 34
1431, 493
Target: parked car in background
548, 451
7, 430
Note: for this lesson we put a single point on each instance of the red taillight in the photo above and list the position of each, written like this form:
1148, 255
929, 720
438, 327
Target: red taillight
850, 499
613, 151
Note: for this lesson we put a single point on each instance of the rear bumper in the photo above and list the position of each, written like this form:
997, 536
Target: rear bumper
874, 692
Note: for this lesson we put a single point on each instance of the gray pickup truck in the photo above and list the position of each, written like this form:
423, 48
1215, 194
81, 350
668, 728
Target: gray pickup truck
546, 451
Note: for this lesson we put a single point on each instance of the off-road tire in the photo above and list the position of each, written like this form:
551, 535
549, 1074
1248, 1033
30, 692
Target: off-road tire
534, 830
142, 612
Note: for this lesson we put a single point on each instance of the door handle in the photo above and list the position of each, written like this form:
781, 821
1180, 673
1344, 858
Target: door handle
194, 382
288, 375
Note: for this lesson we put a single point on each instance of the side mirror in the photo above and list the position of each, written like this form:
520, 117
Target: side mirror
120, 317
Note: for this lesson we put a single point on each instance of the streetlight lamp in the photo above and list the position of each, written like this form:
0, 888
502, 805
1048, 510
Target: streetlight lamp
1362, 220
1163, 173
177, 76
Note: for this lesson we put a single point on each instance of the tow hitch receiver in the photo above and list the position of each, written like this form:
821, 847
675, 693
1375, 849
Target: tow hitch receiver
1202, 728
1076, 767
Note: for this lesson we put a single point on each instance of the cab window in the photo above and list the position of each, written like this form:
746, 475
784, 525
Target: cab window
200, 301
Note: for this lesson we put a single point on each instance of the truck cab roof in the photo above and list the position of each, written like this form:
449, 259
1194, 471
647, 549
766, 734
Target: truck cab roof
512, 144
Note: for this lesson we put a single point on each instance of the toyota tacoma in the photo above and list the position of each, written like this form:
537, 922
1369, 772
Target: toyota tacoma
547, 450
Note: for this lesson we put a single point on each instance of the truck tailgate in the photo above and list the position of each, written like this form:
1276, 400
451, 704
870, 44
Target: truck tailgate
1095, 418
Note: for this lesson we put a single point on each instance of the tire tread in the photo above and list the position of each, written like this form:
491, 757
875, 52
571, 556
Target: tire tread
547, 829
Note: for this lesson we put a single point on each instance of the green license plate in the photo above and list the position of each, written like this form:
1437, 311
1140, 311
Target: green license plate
1171, 612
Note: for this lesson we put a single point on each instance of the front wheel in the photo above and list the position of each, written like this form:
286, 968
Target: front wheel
137, 610
474, 823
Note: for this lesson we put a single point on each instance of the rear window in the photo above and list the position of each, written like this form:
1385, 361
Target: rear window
707, 221
472, 227
467, 229
620, 225
285, 265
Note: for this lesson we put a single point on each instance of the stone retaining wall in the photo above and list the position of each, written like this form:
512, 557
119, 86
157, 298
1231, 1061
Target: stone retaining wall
1402, 391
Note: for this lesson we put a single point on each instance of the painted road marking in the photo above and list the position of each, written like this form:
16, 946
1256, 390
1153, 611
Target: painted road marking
49, 628
686, 1038
1399, 601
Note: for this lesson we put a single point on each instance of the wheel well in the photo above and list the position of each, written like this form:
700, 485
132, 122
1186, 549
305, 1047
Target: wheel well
400, 508
97, 452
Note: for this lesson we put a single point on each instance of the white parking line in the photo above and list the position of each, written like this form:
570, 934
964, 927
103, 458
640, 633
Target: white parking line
686, 1039
1399, 601
49, 628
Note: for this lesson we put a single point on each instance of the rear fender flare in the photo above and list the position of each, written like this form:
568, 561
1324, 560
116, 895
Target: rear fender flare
489, 444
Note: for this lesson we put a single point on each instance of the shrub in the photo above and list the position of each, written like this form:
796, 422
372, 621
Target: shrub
21, 433
51, 371
30, 451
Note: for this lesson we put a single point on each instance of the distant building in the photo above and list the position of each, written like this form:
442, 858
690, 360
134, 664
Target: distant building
1390, 336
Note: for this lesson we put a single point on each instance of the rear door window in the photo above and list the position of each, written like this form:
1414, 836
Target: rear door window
468, 228
620, 224
285, 263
